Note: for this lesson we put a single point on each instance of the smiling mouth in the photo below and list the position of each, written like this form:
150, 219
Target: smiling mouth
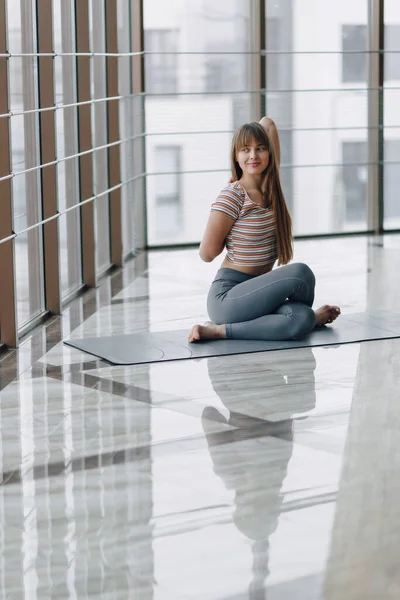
254, 164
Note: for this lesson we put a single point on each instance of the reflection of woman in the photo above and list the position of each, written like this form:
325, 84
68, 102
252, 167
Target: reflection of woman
249, 300
256, 476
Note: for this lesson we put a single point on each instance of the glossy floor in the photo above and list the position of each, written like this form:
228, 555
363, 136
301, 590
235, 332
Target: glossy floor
262, 476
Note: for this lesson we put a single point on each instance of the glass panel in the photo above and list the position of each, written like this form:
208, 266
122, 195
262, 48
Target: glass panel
391, 118
201, 188
67, 145
127, 125
392, 178
316, 79
176, 153
221, 33
162, 66
168, 191
330, 199
99, 128
25, 155
139, 207
312, 25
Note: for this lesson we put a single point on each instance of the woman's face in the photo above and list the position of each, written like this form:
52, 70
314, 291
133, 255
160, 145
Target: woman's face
253, 159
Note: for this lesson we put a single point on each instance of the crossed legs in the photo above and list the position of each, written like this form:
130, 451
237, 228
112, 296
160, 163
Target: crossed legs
273, 306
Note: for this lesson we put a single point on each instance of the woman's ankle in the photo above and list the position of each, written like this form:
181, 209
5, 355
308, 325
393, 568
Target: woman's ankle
222, 330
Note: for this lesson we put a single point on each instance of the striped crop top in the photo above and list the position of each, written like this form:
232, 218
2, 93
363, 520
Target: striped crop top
252, 238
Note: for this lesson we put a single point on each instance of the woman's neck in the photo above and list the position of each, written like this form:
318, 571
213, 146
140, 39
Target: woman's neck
252, 182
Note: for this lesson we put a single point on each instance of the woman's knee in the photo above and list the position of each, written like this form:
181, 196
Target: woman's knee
302, 320
303, 271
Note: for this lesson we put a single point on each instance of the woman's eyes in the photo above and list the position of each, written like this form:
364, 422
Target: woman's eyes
259, 149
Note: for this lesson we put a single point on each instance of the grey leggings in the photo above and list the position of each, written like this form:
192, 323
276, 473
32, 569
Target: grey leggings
273, 306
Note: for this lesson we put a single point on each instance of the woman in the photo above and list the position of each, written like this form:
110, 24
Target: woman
247, 299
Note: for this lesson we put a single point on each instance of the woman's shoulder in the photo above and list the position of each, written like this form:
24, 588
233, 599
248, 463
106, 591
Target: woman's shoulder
230, 200
233, 189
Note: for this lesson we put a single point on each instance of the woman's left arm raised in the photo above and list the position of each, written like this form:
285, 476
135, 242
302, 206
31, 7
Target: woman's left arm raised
272, 131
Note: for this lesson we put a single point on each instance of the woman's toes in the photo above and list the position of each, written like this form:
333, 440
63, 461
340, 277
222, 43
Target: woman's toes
194, 335
327, 314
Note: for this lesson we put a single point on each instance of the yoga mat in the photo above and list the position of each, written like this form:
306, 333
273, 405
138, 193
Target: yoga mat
145, 347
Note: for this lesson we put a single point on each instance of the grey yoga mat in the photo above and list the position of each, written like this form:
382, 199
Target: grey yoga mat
145, 347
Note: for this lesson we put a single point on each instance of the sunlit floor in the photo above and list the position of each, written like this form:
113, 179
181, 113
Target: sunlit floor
262, 476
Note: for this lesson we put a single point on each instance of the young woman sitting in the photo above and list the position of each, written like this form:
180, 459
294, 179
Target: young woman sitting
248, 299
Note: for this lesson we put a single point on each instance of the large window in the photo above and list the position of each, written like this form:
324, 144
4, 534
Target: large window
204, 96
59, 210
67, 145
99, 129
25, 160
279, 79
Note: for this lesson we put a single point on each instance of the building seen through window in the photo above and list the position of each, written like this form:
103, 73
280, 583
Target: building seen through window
354, 40
168, 196
355, 178
162, 67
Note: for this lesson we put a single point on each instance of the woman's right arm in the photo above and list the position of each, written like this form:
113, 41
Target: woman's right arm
218, 226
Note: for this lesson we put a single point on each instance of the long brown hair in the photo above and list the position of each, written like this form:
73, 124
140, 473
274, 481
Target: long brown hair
273, 191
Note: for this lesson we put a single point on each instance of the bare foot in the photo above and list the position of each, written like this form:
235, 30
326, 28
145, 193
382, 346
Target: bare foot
326, 314
208, 331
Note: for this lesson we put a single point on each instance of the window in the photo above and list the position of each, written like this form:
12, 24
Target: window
392, 61
392, 179
219, 72
225, 73
354, 66
355, 178
275, 62
161, 68
168, 195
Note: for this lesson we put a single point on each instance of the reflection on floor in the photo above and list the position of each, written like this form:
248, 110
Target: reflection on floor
262, 476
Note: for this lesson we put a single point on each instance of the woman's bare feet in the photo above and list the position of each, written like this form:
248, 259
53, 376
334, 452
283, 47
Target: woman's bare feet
208, 331
326, 314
